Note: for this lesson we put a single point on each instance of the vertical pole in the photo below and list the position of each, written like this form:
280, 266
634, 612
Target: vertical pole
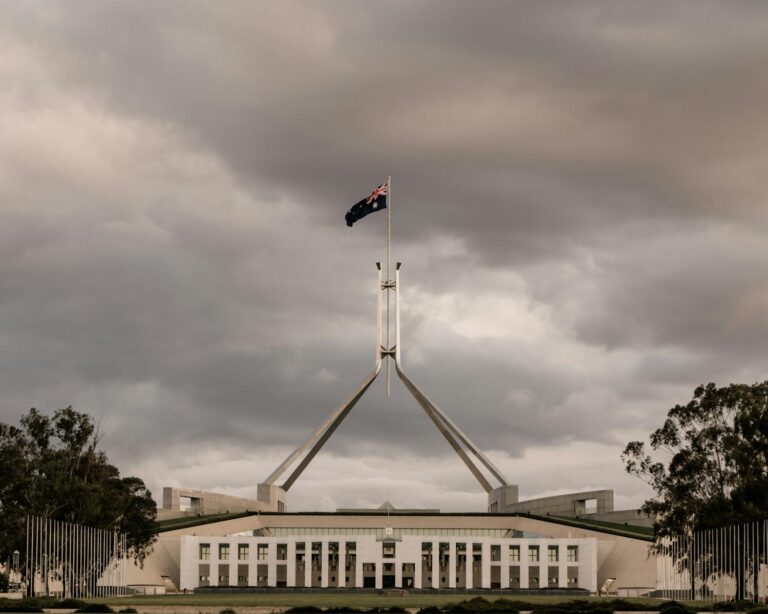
389, 273
397, 313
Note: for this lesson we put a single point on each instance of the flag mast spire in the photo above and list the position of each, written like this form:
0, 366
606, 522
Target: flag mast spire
389, 271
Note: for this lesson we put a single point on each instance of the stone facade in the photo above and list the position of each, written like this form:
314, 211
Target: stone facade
382, 561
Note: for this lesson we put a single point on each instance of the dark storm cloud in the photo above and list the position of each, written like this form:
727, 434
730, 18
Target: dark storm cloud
578, 198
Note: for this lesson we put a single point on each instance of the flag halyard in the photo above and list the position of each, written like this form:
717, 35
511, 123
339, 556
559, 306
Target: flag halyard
376, 201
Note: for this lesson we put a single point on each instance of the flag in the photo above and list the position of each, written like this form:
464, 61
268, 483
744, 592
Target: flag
377, 200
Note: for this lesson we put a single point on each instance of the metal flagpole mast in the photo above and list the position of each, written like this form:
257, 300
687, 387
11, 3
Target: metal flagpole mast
389, 272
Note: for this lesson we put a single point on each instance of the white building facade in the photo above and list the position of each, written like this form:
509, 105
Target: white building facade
387, 558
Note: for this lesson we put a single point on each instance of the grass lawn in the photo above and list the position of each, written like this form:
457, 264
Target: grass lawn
324, 600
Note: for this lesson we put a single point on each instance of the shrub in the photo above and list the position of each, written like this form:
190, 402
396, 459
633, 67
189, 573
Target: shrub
761, 609
19, 607
507, 606
96, 608
227, 611
128, 611
26, 604
67, 604
668, 605
304, 609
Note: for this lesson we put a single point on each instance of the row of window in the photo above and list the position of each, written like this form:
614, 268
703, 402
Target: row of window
553, 554
242, 552
388, 551
392, 532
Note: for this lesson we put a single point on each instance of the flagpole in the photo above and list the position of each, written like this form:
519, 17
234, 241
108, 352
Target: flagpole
389, 269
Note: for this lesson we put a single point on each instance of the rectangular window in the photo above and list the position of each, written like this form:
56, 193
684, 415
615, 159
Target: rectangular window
242, 552
573, 554
223, 552
261, 552
533, 554
552, 553
205, 551
495, 553
388, 550
514, 554
282, 552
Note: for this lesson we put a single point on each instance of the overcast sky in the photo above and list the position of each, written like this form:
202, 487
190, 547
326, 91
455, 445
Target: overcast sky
579, 200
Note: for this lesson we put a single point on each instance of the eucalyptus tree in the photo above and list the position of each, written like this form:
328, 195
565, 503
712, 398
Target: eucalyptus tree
51, 466
708, 466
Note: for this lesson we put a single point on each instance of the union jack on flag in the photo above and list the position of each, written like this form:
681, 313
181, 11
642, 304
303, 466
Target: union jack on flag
376, 201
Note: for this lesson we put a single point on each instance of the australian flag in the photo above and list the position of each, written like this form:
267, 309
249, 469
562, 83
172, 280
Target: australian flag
377, 200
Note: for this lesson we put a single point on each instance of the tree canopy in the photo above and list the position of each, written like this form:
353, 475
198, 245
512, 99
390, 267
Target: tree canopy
51, 466
709, 466
709, 470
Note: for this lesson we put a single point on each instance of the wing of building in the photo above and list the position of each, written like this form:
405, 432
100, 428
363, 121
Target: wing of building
386, 547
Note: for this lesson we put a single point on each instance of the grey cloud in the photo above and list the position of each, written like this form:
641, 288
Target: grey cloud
174, 257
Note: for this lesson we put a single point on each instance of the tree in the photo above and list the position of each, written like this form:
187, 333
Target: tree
713, 471
51, 466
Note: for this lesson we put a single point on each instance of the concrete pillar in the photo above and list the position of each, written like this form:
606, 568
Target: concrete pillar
504, 566
398, 572
469, 563
417, 574
290, 567
271, 563
308, 564
379, 573
524, 576
452, 564
252, 547
562, 564
324, 565
486, 565
341, 572
435, 565
358, 569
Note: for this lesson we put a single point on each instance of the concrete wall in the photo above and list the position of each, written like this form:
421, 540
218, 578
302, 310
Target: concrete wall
626, 559
216, 503
501, 498
569, 505
619, 557
635, 518
409, 551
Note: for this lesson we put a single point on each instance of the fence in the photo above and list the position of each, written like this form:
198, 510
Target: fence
71, 560
723, 564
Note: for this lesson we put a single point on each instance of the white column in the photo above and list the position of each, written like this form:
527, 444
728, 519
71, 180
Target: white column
452, 565
271, 564
417, 574
398, 571
468, 564
290, 568
359, 566
324, 565
504, 566
562, 564
379, 572
524, 577
435, 565
308, 564
486, 565
341, 571
252, 562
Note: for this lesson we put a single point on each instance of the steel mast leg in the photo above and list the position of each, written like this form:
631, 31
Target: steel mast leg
271, 494
446, 426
